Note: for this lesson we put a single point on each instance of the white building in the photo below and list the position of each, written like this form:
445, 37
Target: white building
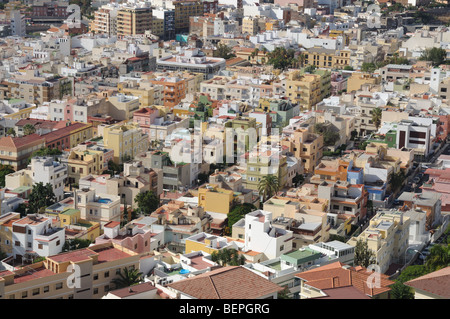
41, 170
34, 236
101, 208
262, 237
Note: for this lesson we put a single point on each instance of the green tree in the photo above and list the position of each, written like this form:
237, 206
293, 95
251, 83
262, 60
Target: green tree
11, 131
436, 55
147, 202
330, 137
298, 179
268, 186
280, 58
348, 68
229, 257
284, 294
353, 134
4, 170
363, 255
397, 180
75, 243
368, 67
28, 129
439, 257
363, 145
401, 291
223, 51
376, 117
41, 196
128, 277
45, 151
238, 212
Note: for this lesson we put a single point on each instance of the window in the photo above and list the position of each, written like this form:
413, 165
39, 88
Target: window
24, 294
29, 245
58, 243
58, 286
106, 288
117, 271
29, 231
17, 243
281, 247
95, 276
106, 274
95, 291
36, 291
46, 289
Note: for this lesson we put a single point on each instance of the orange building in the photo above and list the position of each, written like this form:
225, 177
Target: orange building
174, 89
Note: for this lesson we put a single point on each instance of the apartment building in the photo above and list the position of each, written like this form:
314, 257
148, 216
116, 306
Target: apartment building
306, 145
305, 216
304, 89
97, 267
356, 80
16, 151
261, 235
34, 236
327, 58
167, 17
69, 136
180, 222
133, 21
184, 9
35, 87
148, 93
175, 175
105, 20
93, 206
260, 163
394, 72
123, 106
192, 60
387, 236
136, 236
126, 140
41, 170
250, 25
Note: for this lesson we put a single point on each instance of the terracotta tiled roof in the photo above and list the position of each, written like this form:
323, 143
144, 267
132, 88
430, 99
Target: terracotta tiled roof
134, 290
231, 282
437, 283
333, 276
18, 142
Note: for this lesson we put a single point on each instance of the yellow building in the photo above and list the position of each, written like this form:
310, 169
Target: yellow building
327, 58
215, 199
250, 25
207, 243
304, 89
131, 21
21, 114
80, 134
264, 163
305, 145
146, 94
76, 227
83, 161
357, 79
158, 27
6, 221
97, 266
387, 236
127, 140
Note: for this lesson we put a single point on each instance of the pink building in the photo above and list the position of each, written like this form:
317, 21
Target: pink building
338, 83
439, 182
135, 236
145, 117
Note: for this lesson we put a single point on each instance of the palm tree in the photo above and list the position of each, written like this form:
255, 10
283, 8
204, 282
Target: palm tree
28, 129
129, 277
268, 186
376, 117
301, 59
